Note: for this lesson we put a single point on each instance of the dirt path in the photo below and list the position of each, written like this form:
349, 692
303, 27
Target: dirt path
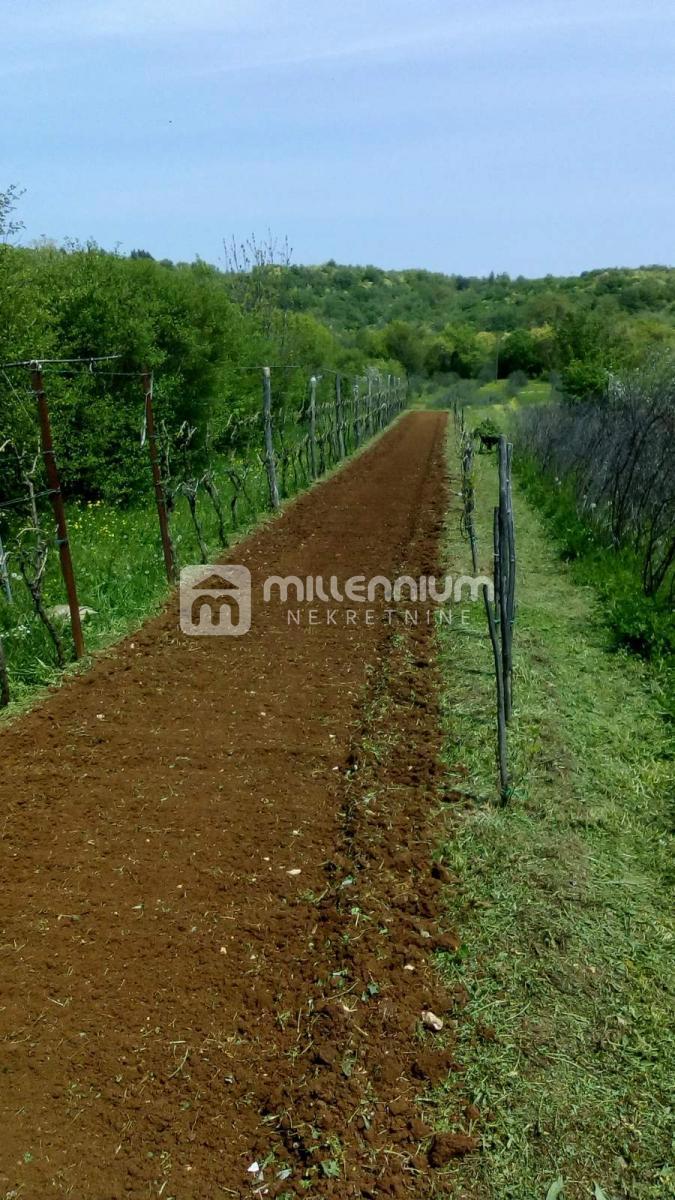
177, 1001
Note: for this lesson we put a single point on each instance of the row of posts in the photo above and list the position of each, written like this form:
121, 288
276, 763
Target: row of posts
501, 614
369, 412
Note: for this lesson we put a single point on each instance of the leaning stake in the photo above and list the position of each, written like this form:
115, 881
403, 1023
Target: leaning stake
504, 567
58, 507
157, 478
312, 425
339, 416
4, 678
4, 575
270, 466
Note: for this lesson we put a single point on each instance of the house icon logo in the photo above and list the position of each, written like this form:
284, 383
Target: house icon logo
215, 600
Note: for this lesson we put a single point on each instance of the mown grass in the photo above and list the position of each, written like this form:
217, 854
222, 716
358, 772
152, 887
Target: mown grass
643, 624
564, 904
498, 394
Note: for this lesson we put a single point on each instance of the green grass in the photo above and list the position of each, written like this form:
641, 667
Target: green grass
119, 569
643, 624
503, 404
564, 904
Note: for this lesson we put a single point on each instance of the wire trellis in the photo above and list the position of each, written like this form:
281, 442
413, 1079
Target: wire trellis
236, 462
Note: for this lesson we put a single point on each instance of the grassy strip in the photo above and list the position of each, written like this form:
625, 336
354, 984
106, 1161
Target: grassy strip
564, 906
119, 568
643, 624
120, 575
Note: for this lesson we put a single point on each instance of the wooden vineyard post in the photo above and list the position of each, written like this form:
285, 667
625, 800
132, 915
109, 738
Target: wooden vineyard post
504, 573
350, 422
357, 415
160, 499
270, 465
58, 507
4, 575
511, 538
312, 425
371, 413
511, 552
496, 561
469, 523
4, 678
339, 416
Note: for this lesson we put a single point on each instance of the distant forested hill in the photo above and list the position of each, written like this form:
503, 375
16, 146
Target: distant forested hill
349, 298
203, 328
580, 327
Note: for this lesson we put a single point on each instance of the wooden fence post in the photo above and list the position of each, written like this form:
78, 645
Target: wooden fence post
160, 499
357, 414
339, 416
312, 426
496, 562
469, 505
4, 575
504, 573
270, 465
512, 540
58, 507
4, 678
502, 753
511, 551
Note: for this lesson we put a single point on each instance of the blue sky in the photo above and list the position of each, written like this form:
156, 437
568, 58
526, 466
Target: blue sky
531, 137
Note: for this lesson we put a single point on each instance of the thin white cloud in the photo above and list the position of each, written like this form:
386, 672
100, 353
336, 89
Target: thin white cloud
298, 30
509, 24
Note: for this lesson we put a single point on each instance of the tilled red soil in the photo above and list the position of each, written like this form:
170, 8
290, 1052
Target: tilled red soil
219, 901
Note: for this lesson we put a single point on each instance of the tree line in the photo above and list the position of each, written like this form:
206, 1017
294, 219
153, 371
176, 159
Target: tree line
577, 330
204, 332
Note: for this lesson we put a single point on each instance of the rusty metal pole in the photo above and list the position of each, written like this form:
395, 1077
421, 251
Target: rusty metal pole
157, 478
58, 507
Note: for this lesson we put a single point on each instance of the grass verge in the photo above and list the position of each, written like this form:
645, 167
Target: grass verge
637, 622
564, 905
120, 575
119, 570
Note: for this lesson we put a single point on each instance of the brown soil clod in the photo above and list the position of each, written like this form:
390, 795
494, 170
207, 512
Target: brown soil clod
446, 1146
